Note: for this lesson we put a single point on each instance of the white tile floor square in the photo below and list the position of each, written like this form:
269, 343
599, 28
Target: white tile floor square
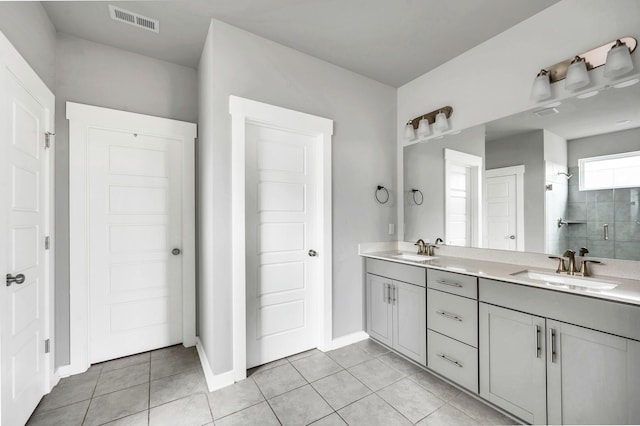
361, 384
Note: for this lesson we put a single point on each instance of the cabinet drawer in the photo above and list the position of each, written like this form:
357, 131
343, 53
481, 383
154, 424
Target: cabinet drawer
397, 271
453, 316
454, 360
450, 282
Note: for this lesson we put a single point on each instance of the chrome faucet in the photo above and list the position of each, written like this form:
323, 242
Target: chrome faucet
571, 254
422, 248
430, 249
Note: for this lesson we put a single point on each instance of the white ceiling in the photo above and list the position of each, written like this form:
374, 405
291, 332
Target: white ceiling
392, 41
612, 110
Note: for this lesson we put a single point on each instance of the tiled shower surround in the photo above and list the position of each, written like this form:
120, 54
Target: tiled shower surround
618, 208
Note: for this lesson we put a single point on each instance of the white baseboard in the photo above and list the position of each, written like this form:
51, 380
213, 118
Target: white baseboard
64, 371
214, 381
347, 340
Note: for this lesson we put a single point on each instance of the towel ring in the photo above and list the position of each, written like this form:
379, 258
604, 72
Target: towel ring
417, 191
379, 189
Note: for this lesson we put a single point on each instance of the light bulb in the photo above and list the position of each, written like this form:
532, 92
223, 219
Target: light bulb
541, 88
441, 122
423, 128
409, 132
618, 61
577, 75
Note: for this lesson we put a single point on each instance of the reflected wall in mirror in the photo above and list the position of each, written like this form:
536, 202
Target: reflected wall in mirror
530, 196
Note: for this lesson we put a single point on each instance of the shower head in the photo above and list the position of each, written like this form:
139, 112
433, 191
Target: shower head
566, 174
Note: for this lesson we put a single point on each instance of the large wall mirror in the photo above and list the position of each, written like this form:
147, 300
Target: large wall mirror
562, 176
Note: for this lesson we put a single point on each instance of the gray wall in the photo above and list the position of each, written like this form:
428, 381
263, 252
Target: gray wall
527, 149
238, 63
424, 170
29, 29
104, 76
609, 143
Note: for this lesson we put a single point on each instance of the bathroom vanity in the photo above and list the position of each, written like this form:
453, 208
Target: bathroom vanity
544, 351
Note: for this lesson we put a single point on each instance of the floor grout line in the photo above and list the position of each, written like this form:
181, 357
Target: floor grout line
413, 377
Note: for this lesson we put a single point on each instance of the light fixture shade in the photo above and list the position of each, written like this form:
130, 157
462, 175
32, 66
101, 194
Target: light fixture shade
577, 75
409, 132
541, 88
618, 61
423, 128
441, 123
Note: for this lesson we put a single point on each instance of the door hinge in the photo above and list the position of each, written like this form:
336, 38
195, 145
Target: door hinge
47, 346
47, 243
47, 139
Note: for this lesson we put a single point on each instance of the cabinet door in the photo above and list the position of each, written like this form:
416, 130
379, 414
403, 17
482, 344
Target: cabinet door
512, 362
379, 310
410, 321
593, 377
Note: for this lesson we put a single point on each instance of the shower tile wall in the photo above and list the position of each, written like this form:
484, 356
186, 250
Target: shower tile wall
617, 208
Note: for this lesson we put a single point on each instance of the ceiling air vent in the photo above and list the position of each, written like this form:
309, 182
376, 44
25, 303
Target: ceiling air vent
135, 19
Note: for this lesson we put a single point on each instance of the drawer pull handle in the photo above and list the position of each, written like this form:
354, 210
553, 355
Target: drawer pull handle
452, 361
449, 283
538, 344
449, 316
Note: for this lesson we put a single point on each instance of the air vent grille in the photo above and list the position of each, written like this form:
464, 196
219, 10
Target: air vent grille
134, 19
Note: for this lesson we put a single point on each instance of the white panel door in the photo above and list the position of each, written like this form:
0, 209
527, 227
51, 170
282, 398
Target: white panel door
24, 305
135, 222
282, 229
501, 213
459, 195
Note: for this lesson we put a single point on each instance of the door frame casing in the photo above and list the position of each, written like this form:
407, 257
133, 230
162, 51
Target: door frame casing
518, 172
245, 111
80, 118
10, 59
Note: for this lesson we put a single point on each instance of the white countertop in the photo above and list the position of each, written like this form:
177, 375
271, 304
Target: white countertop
627, 290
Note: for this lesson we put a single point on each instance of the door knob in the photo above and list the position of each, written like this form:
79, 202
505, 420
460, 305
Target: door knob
512, 237
313, 253
18, 279
175, 251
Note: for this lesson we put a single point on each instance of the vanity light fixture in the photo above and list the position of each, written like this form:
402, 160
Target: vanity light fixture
577, 75
442, 123
439, 118
409, 131
541, 89
615, 56
424, 129
618, 60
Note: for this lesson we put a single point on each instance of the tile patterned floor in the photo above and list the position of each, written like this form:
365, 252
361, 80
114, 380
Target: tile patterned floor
361, 384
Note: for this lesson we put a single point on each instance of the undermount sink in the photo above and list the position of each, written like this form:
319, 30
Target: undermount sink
566, 281
413, 257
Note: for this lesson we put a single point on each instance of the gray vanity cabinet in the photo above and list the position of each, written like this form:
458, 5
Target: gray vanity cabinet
396, 310
549, 371
513, 362
593, 377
